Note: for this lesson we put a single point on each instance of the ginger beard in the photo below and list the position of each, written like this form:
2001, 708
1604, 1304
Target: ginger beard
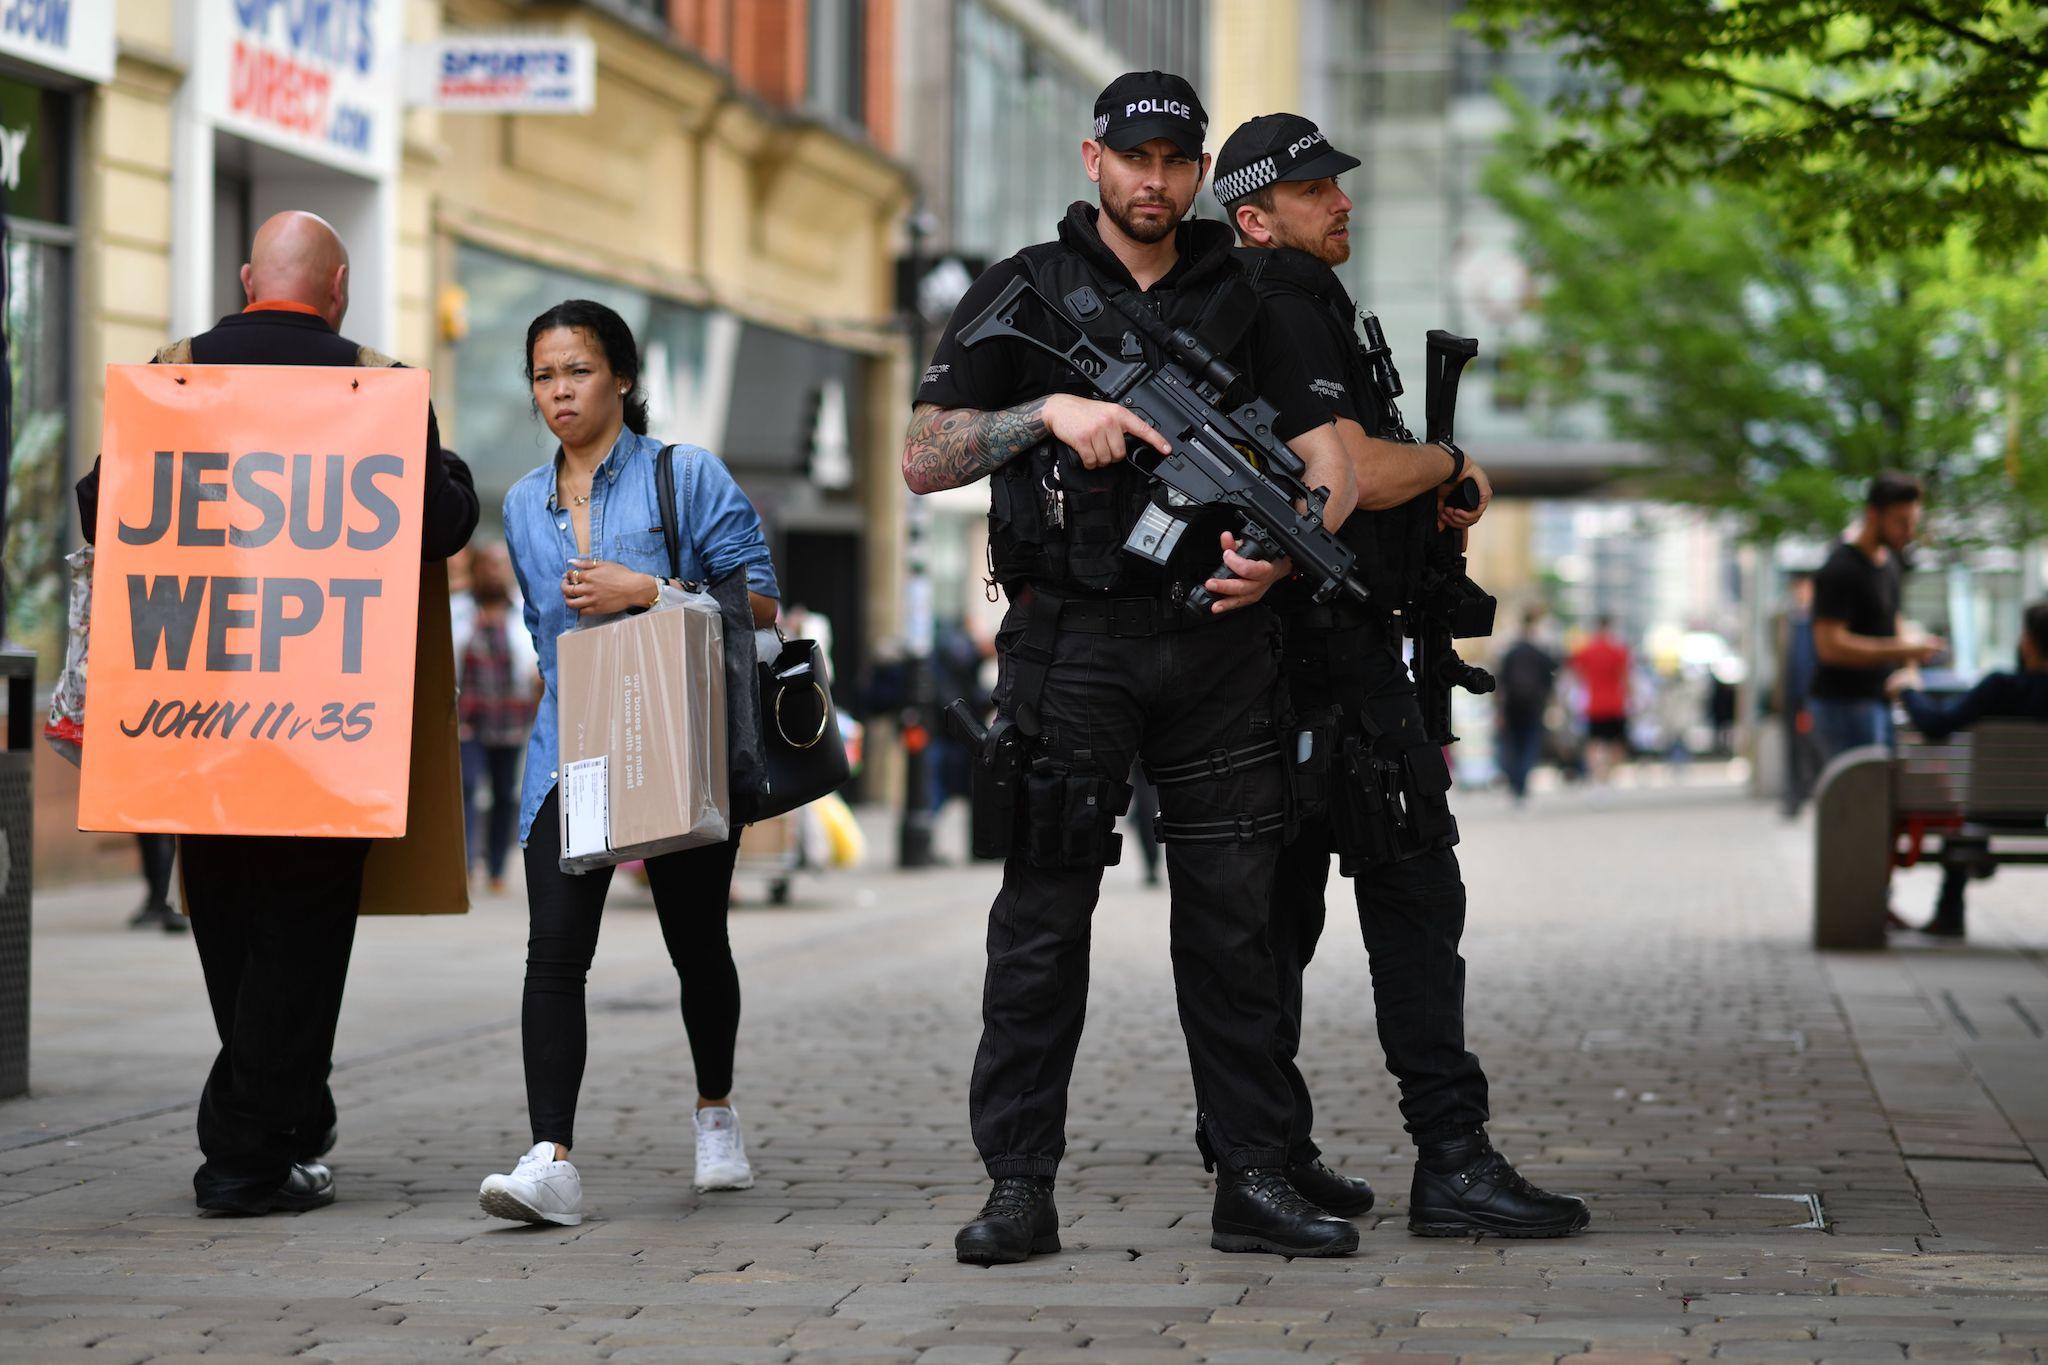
1312, 216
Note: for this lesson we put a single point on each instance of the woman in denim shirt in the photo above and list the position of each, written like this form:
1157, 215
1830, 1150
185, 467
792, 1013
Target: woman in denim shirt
585, 535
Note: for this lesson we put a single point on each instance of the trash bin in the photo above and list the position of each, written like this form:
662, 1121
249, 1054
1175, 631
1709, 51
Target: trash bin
17, 842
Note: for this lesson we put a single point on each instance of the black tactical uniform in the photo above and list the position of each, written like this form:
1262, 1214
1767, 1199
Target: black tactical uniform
1346, 675
1377, 794
1100, 663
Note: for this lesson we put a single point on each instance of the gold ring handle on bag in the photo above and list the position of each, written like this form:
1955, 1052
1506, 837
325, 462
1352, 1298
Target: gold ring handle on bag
824, 717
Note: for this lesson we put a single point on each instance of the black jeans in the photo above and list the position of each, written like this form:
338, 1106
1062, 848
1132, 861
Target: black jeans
274, 920
497, 765
1412, 916
692, 892
1170, 698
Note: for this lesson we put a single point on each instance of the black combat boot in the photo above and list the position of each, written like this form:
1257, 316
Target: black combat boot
1257, 1210
1017, 1222
1464, 1188
1347, 1196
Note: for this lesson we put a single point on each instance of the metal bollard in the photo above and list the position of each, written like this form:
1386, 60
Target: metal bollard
1852, 849
17, 843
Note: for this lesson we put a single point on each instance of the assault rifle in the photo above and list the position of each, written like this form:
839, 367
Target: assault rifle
1220, 458
1444, 605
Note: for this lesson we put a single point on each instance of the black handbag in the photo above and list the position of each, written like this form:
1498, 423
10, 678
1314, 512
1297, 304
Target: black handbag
783, 742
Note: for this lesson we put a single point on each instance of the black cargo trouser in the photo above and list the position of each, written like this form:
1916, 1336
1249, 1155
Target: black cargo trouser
1411, 912
274, 920
1171, 699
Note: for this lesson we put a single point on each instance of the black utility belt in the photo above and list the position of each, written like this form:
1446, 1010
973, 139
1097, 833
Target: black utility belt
1334, 616
1119, 616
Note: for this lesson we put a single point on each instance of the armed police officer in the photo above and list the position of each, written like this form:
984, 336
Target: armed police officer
1384, 800
1101, 659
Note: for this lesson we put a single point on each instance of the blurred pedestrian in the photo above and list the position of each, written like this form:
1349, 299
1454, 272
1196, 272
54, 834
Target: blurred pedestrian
1603, 666
159, 857
274, 918
1797, 661
1528, 675
499, 677
2019, 695
1858, 634
577, 529
1144, 820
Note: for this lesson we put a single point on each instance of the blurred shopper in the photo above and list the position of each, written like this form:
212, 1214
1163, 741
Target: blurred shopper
1797, 662
1528, 676
577, 529
274, 918
1386, 814
1603, 666
159, 859
2020, 695
1144, 821
1858, 636
498, 674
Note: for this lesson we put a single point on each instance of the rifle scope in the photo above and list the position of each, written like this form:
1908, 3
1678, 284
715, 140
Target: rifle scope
1180, 343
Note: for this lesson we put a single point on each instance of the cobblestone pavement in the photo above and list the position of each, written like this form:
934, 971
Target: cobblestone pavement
1789, 1156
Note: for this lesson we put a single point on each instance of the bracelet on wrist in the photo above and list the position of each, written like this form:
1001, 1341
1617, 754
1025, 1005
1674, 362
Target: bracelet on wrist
1458, 460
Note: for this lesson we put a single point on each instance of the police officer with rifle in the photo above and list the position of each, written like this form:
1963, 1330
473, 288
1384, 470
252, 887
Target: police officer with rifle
1103, 657
1370, 772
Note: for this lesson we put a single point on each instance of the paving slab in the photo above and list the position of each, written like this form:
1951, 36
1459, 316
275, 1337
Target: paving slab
1789, 1155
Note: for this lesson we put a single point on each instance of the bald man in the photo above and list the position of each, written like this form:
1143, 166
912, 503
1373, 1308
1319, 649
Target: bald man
274, 919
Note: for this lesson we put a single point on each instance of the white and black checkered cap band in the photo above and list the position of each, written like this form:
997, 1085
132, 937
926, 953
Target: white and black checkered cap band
1247, 179
1101, 126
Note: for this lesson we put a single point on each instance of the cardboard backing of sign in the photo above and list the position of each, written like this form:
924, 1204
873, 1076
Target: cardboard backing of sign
255, 590
427, 871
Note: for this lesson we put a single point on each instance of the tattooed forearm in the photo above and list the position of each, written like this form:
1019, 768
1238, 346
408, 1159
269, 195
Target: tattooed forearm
948, 447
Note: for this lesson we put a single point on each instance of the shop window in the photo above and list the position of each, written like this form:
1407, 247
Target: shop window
36, 126
837, 87
491, 421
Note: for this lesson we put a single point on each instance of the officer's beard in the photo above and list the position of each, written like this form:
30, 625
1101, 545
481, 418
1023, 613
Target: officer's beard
1332, 252
1149, 231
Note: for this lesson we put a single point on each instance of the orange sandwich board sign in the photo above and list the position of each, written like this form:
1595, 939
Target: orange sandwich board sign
255, 588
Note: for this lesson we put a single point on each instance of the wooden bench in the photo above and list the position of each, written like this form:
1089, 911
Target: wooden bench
1978, 799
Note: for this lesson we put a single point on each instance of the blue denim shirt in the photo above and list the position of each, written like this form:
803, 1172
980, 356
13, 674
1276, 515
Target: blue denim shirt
720, 531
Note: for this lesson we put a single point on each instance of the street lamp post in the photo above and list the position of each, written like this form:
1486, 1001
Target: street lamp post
914, 830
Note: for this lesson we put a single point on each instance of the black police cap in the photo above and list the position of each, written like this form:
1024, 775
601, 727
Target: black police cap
1275, 147
1141, 105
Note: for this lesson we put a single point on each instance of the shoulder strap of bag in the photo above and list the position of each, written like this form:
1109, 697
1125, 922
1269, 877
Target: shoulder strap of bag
665, 495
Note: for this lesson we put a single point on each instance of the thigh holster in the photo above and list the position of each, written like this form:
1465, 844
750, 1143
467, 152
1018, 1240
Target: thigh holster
1214, 766
1070, 816
1392, 797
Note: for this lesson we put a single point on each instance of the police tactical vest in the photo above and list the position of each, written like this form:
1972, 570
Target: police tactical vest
1053, 521
1390, 542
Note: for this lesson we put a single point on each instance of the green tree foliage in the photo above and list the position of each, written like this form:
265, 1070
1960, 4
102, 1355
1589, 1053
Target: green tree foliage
1774, 374
1888, 123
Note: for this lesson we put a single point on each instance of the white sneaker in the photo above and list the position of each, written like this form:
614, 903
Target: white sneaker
539, 1190
721, 1151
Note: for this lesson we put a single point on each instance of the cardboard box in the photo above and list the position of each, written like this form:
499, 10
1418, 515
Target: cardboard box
643, 763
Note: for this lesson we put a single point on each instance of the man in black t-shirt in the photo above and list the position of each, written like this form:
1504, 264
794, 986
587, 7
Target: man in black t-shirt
1381, 783
1102, 661
1856, 631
